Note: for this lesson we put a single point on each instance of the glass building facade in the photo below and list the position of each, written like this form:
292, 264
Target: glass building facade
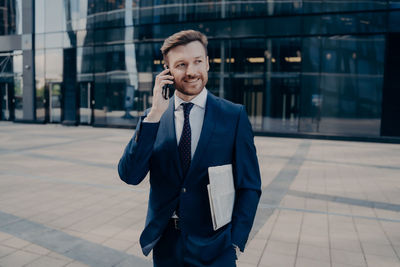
299, 66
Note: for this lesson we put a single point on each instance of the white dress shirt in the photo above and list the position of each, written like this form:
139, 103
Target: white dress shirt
196, 118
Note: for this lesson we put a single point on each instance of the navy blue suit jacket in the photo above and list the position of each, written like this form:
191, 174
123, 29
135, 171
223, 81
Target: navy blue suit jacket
226, 138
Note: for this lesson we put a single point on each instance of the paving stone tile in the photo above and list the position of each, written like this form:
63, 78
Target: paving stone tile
15, 243
344, 243
4, 251
47, 261
18, 259
107, 230
245, 264
282, 247
347, 257
136, 250
335, 264
36, 249
378, 261
314, 252
284, 236
76, 264
250, 256
87, 236
379, 249
315, 240
374, 237
276, 259
307, 262
118, 244
129, 234
4, 236
397, 249
58, 256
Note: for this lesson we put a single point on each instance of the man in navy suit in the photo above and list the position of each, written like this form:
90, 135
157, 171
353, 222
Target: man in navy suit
177, 140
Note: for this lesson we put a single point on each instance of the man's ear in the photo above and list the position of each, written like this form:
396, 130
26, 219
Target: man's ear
165, 62
207, 64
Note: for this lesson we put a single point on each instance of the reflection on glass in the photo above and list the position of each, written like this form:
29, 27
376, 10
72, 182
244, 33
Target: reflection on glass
10, 17
324, 84
342, 85
40, 85
54, 16
55, 102
267, 81
39, 16
54, 64
85, 102
18, 84
6, 101
54, 40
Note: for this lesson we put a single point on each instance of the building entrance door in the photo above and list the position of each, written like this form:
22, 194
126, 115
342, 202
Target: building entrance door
390, 125
86, 103
55, 109
7, 102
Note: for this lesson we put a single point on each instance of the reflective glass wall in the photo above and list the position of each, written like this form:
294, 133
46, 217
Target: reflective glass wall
298, 66
10, 17
11, 86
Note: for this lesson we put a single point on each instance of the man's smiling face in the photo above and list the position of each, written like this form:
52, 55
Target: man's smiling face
189, 66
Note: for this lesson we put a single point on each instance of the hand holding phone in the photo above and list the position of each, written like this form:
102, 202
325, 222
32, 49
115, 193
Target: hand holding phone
160, 96
168, 90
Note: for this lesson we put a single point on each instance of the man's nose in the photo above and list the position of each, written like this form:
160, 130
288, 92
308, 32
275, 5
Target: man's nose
190, 70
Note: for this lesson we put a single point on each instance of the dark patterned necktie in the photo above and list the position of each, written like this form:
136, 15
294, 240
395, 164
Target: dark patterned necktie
185, 145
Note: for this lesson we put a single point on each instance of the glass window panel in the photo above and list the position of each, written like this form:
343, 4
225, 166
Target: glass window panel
394, 20
54, 64
394, 4
350, 5
40, 84
84, 38
100, 59
267, 80
84, 61
18, 84
54, 16
54, 40
18, 17
261, 8
10, 17
69, 39
341, 6
345, 23
342, 85
39, 41
100, 37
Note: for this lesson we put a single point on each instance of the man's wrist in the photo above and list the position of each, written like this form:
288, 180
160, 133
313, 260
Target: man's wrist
152, 117
237, 250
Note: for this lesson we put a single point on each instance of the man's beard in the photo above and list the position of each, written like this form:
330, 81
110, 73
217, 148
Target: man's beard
191, 92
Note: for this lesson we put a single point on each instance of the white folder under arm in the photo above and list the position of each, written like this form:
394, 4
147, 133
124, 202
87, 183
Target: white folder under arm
221, 193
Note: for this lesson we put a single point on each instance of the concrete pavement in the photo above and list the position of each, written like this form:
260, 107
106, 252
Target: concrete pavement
324, 203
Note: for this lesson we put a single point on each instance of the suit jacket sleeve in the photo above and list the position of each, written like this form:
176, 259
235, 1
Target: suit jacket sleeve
134, 163
247, 182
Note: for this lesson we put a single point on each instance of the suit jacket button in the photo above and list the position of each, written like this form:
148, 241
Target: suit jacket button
183, 190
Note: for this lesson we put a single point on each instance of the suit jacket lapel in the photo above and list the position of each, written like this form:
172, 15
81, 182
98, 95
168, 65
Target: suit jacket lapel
209, 123
168, 136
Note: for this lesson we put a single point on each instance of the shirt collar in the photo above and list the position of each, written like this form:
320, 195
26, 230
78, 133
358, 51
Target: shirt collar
200, 100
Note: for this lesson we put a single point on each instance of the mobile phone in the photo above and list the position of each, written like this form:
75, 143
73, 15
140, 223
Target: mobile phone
168, 94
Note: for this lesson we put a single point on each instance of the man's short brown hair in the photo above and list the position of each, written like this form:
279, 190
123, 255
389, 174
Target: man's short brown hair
183, 38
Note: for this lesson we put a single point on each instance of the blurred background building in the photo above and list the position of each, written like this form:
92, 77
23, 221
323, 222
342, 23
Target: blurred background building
300, 66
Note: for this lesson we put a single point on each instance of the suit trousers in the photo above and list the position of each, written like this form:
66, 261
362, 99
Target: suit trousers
170, 251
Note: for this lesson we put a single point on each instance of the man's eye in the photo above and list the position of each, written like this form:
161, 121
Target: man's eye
199, 61
181, 65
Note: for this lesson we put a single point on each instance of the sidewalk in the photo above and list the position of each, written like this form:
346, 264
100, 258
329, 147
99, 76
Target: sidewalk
324, 203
